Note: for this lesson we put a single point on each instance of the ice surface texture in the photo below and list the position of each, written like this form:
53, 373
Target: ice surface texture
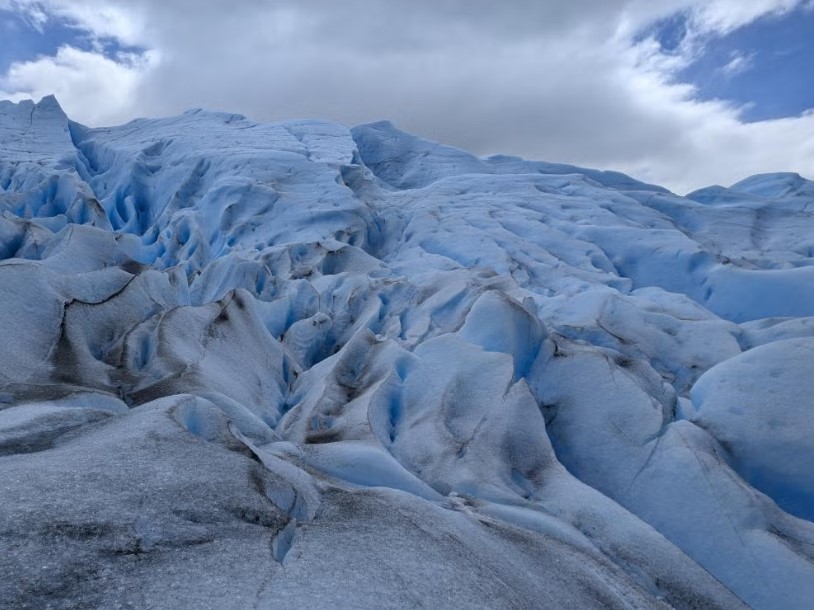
291, 365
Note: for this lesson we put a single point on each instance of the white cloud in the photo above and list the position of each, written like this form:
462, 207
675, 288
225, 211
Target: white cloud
541, 78
90, 87
723, 16
738, 63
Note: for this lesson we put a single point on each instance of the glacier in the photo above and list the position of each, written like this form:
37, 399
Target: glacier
296, 365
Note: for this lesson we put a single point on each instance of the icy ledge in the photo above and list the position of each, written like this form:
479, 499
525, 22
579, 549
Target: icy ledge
292, 365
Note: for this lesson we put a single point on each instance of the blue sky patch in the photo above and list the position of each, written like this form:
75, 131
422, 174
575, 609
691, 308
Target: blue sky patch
23, 41
670, 32
764, 67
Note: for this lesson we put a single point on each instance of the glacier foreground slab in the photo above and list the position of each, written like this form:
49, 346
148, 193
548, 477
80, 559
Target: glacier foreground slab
295, 365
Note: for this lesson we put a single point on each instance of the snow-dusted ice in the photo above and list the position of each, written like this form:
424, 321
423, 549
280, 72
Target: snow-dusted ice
293, 365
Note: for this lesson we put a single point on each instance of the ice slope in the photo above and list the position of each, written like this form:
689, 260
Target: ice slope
293, 365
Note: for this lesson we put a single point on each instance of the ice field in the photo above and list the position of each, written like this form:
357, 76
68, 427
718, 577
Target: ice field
294, 365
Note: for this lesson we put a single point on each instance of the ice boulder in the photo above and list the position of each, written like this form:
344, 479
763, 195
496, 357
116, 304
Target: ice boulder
760, 407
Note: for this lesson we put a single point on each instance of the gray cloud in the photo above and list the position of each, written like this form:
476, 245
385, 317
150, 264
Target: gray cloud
543, 79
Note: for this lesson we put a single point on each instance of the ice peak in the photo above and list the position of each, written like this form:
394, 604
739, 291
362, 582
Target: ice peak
31, 130
777, 184
50, 103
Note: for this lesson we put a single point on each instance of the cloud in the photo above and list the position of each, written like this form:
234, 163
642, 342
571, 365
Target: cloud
738, 63
572, 82
91, 87
34, 14
723, 16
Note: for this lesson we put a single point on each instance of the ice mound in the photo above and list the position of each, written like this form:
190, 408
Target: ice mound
295, 365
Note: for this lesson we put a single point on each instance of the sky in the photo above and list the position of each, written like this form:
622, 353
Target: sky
682, 93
